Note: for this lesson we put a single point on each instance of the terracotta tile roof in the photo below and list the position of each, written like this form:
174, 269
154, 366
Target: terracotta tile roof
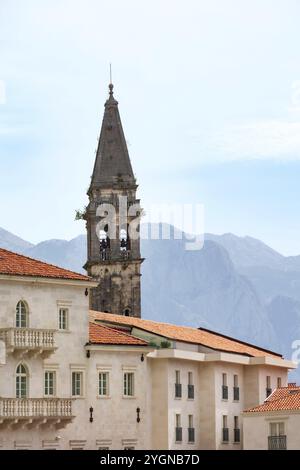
13, 264
282, 399
100, 334
186, 334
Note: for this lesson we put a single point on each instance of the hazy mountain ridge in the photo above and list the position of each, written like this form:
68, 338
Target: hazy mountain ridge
236, 285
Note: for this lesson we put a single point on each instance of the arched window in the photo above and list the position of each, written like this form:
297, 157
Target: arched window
104, 243
124, 240
21, 381
21, 315
126, 312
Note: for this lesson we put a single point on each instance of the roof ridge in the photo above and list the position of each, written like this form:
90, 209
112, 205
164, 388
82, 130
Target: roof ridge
42, 262
239, 341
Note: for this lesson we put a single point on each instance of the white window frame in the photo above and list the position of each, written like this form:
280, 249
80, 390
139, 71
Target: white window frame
63, 325
107, 374
279, 428
127, 385
18, 377
81, 370
47, 387
21, 313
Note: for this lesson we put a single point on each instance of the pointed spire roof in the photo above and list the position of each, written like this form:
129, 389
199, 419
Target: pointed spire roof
112, 165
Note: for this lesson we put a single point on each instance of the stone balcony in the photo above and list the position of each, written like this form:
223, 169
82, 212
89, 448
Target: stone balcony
28, 341
36, 412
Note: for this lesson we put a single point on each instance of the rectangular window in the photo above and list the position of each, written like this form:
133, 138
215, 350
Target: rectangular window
236, 422
63, 318
128, 384
268, 386
178, 428
276, 429
21, 386
277, 439
225, 430
50, 383
103, 384
236, 389
279, 382
178, 388
224, 387
77, 384
191, 429
237, 432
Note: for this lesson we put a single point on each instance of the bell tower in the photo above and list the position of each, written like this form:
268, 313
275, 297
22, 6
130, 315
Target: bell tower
112, 221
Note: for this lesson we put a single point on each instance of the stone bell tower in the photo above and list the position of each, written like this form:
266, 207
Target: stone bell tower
112, 220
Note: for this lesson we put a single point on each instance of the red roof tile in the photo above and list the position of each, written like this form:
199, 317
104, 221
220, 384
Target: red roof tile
282, 399
186, 334
100, 334
13, 264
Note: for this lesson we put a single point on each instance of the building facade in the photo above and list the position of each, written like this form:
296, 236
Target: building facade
275, 424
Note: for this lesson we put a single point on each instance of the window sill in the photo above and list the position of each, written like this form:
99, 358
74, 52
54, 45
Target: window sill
78, 397
235, 401
177, 398
224, 399
191, 443
129, 397
63, 331
225, 443
236, 443
103, 397
190, 399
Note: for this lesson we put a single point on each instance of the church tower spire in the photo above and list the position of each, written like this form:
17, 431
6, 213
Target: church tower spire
114, 258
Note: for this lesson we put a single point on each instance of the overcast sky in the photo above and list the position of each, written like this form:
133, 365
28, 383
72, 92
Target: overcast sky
209, 95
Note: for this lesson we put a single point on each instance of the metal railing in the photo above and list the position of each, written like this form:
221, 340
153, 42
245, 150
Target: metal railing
191, 434
237, 435
225, 434
178, 434
178, 391
277, 442
224, 392
236, 393
31, 338
35, 407
191, 393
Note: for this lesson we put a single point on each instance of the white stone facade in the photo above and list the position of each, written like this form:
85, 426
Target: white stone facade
62, 421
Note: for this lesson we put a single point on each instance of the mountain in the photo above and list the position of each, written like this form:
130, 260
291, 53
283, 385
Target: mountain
248, 251
236, 285
202, 288
12, 242
67, 254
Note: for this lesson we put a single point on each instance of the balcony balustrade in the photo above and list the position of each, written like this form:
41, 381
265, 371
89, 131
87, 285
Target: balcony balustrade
36, 411
28, 341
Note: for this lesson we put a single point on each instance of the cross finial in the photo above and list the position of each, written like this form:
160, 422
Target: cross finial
111, 87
